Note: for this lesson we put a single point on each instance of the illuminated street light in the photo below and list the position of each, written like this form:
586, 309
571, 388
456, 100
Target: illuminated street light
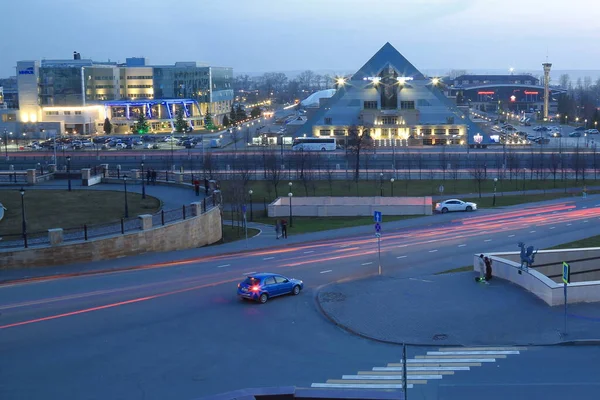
340, 81
435, 81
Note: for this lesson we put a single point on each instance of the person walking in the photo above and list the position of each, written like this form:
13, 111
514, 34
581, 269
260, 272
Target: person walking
488, 269
481, 265
206, 186
284, 228
277, 229
197, 187
154, 174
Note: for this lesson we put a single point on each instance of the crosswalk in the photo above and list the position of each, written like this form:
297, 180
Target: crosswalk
434, 365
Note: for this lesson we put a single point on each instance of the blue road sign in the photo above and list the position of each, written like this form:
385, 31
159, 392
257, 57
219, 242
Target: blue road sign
377, 216
377, 227
244, 209
566, 273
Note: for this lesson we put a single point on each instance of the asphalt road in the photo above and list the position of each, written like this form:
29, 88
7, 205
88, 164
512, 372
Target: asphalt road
179, 331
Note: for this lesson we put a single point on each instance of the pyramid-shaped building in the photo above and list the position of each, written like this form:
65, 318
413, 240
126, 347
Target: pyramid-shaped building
392, 99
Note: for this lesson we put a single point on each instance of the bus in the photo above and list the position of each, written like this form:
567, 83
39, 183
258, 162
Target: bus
314, 144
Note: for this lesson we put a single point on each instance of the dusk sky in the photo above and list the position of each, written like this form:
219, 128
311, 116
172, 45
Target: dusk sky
287, 35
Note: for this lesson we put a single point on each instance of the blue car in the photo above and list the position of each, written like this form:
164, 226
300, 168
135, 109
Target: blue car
261, 287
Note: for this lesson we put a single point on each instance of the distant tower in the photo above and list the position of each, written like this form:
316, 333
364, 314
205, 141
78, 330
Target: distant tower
547, 67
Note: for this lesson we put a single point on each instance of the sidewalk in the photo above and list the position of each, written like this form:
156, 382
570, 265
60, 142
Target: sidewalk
453, 309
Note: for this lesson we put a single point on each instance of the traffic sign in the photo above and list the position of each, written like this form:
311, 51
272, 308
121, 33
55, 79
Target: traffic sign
244, 209
378, 235
566, 277
377, 216
377, 227
441, 188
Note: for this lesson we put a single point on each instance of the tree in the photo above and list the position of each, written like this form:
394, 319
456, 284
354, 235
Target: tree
181, 124
329, 174
273, 170
107, 126
478, 172
554, 166
359, 139
208, 121
232, 115
141, 125
240, 113
225, 121
256, 112
564, 81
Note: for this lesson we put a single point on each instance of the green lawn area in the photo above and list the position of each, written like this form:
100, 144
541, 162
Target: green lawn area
453, 270
593, 241
504, 201
265, 191
232, 233
46, 209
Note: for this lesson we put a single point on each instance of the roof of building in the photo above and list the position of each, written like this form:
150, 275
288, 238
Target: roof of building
315, 98
493, 77
387, 55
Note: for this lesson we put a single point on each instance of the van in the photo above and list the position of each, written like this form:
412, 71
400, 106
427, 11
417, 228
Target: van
215, 143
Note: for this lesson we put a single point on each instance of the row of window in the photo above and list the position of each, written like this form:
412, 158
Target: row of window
104, 78
139, 86
105, 86
404, 105
487, 81
141, 96
139, 77
51, 113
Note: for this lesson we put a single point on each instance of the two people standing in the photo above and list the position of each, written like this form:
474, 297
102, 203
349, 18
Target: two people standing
281, 228
485, 269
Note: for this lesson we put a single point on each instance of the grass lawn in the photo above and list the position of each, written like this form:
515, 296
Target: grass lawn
231, 233
46, 209
593, 241
453, 270
504, 201
264, 190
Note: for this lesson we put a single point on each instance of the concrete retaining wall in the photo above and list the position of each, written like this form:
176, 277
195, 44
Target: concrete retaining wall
350, 206
537, 283
193, 232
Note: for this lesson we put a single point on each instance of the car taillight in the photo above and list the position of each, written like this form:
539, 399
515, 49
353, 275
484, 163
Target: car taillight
255, 288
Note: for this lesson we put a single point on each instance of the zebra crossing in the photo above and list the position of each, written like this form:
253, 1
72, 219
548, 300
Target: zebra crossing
435, 365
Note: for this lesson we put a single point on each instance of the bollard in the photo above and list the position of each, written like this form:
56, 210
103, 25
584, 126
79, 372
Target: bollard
85, 235
204, 204
183, 212
162, 216
122, 226
167, 176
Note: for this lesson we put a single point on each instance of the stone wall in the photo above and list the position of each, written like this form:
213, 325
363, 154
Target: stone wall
196, 231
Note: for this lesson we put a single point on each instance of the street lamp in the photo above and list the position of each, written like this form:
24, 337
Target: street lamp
290, 196
250, 193
6, 143
143, 182
381, 184
495, 183
392, 186
126, 204
69, 172
22, 191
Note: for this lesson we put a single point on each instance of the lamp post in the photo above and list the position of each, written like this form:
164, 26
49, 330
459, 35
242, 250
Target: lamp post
494, 200
251, 214
126, 204
6, 143
22, 191
381, 184
290, 194
143, 182
69, 172
392, 186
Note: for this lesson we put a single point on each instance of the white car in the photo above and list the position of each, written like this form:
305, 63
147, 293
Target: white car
455, 205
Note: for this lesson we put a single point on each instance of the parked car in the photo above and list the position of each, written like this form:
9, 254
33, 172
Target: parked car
575, 134
261, 287
592, 132
455, 205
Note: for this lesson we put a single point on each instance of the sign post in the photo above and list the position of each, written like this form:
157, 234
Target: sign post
378, 220
245, 224
566, 277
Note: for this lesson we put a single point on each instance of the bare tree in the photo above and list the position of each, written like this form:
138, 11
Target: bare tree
443, 162
208, 164
454, 170
513, 164
273, 170
359, 140
478, 172
329, 173
554, 167
578, 164
307, 175
245, 171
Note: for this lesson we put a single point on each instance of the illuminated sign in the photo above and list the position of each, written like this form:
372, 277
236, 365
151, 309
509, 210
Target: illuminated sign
513, 98
526, 92
486, 93
26, 71
478, 138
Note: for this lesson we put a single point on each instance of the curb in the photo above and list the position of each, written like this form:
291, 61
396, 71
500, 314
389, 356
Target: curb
334, 321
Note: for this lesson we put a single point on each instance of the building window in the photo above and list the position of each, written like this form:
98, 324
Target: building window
67, 112
454, 131
139, 86
339, 132
77, 112
389, 120
440, 131
528, 82
324, 132
328, 121
426, 131
139, 77
407, 105
49, 113
370, 105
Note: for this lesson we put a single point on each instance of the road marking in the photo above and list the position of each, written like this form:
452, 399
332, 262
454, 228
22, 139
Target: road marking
531, 231
386, 377
552, 227
357, 386
449, 360
461, 245
401, 257
482, 352
324, 272
308, 252
223, 266
420, 280
268, 258
584, 207
569, 224
487, 240
249, 273
481, 348
403, 245
585, 221
432, 251
369, 263
417, 369
511, 235
430, 241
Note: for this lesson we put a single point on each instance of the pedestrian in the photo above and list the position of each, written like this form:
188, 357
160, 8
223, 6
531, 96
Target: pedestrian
284, 228
481, 264
277, 229
154, 174
197, 187
206, 185
148, 176
488, 269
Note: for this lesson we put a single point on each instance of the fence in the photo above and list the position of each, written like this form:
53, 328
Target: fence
88, 232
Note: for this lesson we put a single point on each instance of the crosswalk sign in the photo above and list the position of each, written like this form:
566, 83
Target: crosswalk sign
566, 277
377, 216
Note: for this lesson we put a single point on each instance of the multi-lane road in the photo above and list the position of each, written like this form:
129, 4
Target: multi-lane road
176, 330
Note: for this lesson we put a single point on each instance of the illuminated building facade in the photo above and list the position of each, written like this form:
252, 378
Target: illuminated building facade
396, 104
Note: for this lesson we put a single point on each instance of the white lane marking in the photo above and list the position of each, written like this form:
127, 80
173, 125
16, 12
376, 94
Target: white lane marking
473, 352
223, 266
552, 227
324, 272
569, 224
420, 280
461, 245
554, 212
441, 361
585, 221
308, 252
584, 207
357, 386
487, 240
268, 258
531, 231
511, 235
433, 251
430, 241
369, 263
388, 377
403, 245
401, 257
249, 273
346, 245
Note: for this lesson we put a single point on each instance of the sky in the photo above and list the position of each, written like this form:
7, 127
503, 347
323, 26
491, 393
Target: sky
290, 35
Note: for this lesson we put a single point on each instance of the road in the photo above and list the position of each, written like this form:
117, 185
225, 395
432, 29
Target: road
178, 331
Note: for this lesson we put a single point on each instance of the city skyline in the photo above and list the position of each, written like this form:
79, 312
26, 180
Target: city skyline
268, 35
